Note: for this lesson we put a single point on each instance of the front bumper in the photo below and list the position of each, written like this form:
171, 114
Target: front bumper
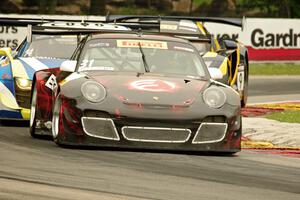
178, 135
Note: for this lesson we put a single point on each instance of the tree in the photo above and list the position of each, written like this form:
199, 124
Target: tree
97, 7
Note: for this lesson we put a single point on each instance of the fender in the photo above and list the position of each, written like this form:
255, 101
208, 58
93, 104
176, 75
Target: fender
45, 95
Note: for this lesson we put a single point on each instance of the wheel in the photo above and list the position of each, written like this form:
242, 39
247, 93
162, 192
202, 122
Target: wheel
245, 89
55, 119
239, 134
32, 122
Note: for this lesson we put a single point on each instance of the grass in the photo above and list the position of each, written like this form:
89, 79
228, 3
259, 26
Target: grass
274, 69
200, 2
290, 116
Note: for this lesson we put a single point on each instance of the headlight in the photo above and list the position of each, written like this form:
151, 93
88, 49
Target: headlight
214, 97
23, 84
93, 91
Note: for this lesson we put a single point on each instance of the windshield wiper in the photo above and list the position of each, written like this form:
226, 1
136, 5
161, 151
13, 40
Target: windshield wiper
146, 66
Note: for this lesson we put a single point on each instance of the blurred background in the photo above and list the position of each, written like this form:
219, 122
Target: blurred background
218, 8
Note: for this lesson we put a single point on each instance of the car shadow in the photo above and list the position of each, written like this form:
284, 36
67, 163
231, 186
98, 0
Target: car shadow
116, 149
15, 123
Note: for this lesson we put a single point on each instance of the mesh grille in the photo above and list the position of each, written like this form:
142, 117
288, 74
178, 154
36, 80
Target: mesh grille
152, 134
100, 127
210, 132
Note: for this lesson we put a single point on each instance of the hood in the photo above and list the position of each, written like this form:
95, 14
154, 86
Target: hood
150, 89
30, 65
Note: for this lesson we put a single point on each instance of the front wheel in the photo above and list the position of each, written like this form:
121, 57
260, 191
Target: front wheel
56, 119
245, 89
32, 121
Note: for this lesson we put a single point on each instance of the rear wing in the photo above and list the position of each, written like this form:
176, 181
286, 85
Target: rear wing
152, 19
54, 31
24, 20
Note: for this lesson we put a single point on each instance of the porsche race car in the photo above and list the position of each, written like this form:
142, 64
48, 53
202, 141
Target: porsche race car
230, 57
137, 90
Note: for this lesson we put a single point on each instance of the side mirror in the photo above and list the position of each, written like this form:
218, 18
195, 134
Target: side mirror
215, 73
229, 44
6, 52
68, 66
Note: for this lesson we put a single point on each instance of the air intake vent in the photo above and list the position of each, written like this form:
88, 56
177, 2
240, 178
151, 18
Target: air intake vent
210, 133
103, 128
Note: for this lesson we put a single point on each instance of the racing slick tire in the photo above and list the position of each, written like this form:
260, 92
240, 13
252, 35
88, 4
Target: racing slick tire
32, 120
245, 89
55, 120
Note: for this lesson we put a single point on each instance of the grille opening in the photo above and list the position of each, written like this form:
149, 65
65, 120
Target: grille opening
156, 134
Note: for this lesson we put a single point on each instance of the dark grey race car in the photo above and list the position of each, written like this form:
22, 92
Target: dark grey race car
143, 91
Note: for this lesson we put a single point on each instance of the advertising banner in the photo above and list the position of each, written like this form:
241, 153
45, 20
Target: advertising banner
266, 39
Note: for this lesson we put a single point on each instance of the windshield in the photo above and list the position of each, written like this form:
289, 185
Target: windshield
51, 47
141, 56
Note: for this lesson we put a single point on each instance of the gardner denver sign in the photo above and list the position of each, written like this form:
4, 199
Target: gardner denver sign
266, 39
286, 40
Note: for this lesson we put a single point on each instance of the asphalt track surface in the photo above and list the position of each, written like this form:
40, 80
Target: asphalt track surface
274, 88
38, 169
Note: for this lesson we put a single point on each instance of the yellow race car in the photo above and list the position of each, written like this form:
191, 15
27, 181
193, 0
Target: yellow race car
227, 57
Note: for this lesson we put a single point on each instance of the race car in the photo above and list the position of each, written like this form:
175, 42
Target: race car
138, 90
38, 51
230, 57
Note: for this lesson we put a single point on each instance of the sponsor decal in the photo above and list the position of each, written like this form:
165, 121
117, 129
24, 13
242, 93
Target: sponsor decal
105, 68
52, 83
168, 27
153, 85
240, 81
144, 44
100, 44
85, 63
6, 76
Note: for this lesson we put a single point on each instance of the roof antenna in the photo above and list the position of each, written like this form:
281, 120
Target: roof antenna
84, 22
107, 16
